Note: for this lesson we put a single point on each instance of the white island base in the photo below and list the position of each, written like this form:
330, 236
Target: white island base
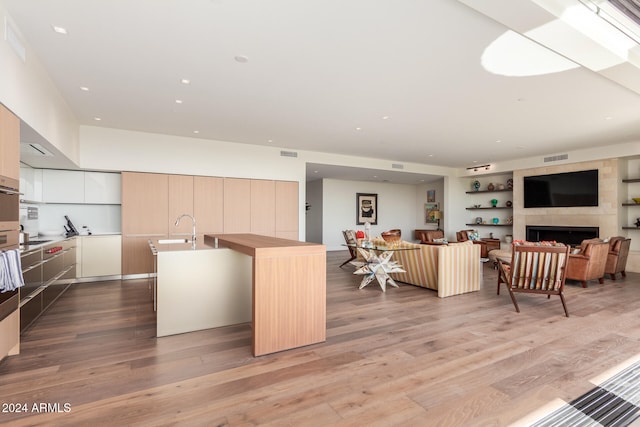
202, 289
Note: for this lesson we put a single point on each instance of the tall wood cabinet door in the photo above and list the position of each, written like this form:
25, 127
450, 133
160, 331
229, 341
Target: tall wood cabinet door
237, 205
145, 204
136, 255
263, 207
208, 204
287, 210
180, 202
9, 144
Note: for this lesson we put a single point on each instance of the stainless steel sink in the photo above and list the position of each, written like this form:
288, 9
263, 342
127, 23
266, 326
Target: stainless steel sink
172, 241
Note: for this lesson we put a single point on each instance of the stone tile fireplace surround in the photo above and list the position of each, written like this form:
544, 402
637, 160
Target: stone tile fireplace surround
604, 217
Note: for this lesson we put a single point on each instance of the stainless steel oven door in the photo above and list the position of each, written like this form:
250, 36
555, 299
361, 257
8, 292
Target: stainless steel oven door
9, 204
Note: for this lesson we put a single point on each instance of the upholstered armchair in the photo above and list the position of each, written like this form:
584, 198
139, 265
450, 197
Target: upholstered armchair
617, 257
429, 237
589, 263
464, 235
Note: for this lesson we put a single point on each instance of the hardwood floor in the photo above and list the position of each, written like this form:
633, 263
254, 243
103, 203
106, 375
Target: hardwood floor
404, 357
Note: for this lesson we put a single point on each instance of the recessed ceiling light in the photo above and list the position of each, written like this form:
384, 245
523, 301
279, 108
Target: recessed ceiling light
608, 118
498, 140
185, 81
358, 128
178, 101
269, 140
430, 155
385, 117
196, 131
59, 30
84, 88
97, 119
241, 58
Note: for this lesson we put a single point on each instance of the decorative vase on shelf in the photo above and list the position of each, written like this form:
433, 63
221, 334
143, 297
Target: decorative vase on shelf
491, 187
475, 185
508, 203
494, 203
500, 187
495, 220
638, 222
510, 184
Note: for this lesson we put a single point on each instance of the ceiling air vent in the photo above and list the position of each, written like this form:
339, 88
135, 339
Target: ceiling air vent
397, 166
33, 149
556, 158
288, 154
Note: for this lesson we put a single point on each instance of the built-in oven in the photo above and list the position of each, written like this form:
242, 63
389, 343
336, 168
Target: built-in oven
9, 204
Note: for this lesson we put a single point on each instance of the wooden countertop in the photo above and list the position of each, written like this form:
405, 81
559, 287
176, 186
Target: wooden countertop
258, 245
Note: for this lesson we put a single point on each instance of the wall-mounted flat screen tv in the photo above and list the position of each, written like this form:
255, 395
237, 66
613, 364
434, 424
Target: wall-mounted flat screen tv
561, 190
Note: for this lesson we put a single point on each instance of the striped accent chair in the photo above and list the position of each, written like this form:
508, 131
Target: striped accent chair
451, 269
536, 268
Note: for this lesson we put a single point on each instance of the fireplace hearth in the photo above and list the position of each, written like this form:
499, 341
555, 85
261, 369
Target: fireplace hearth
568, 235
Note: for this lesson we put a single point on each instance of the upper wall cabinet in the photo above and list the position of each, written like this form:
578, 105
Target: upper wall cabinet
102, 188
9, 144
64, 186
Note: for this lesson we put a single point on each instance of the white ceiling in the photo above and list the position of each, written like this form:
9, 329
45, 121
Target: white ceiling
399, 80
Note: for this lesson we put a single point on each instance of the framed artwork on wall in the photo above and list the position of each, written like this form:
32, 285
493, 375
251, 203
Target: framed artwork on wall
366, 208
431, 196
429, 217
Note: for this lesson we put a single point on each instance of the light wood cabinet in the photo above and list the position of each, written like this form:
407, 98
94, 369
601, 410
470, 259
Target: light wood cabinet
263, 207
9, 144
136, 255
287, 208
208, 202
145, 203
151, 203
145, 212
237, 205
180, 202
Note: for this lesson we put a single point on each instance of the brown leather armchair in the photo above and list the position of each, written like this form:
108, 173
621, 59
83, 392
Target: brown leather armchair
463, 236
589, 263
427, 237
617, 257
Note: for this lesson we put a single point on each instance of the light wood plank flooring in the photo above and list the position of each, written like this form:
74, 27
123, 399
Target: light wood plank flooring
400, 358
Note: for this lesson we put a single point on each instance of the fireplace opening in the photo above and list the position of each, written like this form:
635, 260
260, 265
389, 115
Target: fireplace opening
568, 235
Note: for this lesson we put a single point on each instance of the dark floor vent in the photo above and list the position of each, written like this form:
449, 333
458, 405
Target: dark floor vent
397, 166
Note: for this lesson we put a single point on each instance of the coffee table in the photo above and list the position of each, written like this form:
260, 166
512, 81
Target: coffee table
377, 264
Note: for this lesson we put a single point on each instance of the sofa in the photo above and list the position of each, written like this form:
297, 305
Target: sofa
430, 237
450, 269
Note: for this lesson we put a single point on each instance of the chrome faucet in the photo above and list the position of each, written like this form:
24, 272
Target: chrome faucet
193, 229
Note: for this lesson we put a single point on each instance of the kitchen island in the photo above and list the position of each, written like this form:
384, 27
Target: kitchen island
199, 287
288, 289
